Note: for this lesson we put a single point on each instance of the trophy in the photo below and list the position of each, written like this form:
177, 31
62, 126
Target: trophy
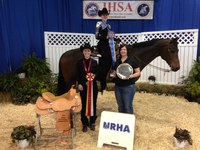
124, 71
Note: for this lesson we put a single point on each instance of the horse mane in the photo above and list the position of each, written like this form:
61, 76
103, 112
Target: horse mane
145, 43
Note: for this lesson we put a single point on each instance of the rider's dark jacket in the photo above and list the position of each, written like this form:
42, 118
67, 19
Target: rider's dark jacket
101, 35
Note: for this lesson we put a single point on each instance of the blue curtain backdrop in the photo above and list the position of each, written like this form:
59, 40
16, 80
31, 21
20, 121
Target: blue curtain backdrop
23, 22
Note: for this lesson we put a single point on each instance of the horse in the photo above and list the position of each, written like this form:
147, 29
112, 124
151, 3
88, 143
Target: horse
143, 53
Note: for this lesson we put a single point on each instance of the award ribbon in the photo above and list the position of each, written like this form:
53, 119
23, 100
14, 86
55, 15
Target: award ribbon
111, 34
89, 101
112, 46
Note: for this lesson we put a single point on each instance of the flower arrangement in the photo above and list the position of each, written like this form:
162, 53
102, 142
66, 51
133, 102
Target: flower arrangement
152, 79
23, 132
182, 135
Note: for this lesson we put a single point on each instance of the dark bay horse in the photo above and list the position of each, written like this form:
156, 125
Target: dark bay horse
143, 52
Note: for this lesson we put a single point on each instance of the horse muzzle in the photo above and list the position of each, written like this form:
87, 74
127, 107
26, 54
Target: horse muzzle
175, 68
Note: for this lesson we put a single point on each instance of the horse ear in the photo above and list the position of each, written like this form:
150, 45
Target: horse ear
174, 40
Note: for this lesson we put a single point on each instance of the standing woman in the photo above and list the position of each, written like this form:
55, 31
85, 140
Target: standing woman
87, 85
125, 88
104, 34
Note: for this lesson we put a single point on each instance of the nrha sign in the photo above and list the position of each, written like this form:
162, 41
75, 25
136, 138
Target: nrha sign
117, 129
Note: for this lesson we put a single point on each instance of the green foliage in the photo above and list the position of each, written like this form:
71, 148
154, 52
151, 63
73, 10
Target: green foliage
160, 89
155, 88
192, 83
23, 132
8, 81
39, 80
194, 89
35, 66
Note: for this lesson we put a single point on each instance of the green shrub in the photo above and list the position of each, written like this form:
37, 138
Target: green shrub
192, 82
8, 82
159, 89
35, 66
39, 80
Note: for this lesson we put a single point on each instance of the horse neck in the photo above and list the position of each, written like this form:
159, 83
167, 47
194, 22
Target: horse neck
147, 54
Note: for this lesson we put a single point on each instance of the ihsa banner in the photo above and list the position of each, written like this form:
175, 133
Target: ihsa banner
135, 9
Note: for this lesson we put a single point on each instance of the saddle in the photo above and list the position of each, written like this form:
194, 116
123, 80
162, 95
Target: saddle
49, 103
51, 97
63, 105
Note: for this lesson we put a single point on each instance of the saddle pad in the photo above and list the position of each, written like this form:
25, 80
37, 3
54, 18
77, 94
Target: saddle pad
43, 111
43, 104
63, 119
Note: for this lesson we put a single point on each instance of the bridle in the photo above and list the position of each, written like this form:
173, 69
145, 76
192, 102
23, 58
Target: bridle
153, 66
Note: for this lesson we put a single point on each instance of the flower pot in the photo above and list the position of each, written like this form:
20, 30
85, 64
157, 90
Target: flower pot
23, 143
180, 144
22, 75
151, 82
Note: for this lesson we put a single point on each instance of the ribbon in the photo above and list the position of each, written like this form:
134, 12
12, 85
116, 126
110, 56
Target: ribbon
89, 101
112, 46
111, 35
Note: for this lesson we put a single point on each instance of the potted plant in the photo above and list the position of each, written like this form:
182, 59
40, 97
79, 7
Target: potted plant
23, 135
152, 79
35, 66
182, 137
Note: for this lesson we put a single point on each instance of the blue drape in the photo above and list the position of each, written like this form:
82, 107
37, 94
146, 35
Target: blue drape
23, 22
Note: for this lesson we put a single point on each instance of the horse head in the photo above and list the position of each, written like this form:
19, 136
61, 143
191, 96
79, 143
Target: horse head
170, 54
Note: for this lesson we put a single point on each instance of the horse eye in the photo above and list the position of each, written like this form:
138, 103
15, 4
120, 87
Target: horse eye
172, 50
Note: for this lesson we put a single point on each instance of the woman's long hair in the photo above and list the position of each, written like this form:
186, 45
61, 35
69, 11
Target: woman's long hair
120, 47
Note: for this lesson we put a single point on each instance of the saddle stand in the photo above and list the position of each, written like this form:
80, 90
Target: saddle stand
64, 137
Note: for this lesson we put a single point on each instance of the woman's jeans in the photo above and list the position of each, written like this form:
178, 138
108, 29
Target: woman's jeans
124, 96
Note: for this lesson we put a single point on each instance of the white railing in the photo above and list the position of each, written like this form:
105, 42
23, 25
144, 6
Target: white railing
56, 43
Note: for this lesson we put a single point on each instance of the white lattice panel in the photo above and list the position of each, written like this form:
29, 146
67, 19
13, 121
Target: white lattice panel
186, 37
129, 38
56, 43
67, 39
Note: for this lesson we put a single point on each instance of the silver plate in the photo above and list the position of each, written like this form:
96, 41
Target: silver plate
124, 71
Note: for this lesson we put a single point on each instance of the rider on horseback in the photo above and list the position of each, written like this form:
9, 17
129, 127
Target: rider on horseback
105, 46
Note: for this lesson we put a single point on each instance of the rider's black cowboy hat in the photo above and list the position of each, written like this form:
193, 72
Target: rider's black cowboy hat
103, 11
86, 46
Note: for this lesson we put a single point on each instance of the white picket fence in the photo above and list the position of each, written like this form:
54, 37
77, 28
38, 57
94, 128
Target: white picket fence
56, 43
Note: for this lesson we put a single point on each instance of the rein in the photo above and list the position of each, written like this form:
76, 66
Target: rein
153, 66
159, 68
